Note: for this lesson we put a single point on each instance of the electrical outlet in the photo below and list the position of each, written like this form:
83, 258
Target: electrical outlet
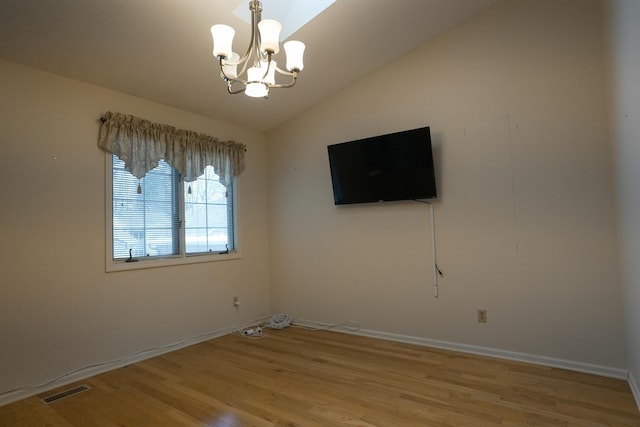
482, 316
236, 302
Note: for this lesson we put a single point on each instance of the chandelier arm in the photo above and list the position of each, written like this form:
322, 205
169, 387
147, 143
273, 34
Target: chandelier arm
230, 80
247, 53
244, 63
266, 69
254, 44
254, 40
287, 73
236, 80
234, 92
294, 77
224, 75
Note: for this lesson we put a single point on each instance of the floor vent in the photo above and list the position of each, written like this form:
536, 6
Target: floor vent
58, 396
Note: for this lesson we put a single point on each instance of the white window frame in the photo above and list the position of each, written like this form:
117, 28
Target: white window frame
181, 259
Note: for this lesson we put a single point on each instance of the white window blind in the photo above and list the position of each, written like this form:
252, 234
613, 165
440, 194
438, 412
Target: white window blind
147, 222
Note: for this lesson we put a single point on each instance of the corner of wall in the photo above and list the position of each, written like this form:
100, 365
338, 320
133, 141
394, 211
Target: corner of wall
635, 388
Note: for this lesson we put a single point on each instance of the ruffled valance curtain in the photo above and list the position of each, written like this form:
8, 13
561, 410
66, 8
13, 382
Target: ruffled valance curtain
141, 144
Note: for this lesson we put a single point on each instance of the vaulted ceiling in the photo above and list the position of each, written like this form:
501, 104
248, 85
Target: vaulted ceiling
161, 49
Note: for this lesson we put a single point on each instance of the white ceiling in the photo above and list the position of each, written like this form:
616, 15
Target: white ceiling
161, 49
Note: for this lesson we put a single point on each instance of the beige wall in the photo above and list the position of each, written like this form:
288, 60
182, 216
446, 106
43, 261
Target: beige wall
525, 221
624, 35
59, 310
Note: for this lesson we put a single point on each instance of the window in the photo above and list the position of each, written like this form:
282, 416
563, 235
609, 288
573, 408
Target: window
208, 213
148, 214
154, 217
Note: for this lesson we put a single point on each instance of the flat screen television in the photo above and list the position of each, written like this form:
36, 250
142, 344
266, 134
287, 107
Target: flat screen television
396, 166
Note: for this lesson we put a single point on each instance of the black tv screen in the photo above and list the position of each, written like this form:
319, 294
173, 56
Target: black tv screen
396, 166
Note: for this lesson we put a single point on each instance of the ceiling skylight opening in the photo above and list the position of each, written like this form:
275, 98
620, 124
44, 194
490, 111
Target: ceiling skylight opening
292, 14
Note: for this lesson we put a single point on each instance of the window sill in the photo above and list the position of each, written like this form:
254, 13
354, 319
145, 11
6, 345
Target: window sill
142, 263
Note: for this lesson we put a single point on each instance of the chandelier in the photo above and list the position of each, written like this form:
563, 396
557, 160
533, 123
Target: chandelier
254, 73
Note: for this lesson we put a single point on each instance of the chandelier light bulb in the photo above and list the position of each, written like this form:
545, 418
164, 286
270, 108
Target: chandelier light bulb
269, 35
295, 52
255, 87
222, 40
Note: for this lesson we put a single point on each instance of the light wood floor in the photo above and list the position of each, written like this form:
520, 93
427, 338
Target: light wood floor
297, 377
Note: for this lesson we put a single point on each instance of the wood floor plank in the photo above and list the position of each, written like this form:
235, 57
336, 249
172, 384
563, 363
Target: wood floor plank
297, 377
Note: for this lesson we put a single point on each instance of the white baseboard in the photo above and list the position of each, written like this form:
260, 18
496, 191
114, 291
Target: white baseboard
635, 388
99, 368
83, 373
501, 354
